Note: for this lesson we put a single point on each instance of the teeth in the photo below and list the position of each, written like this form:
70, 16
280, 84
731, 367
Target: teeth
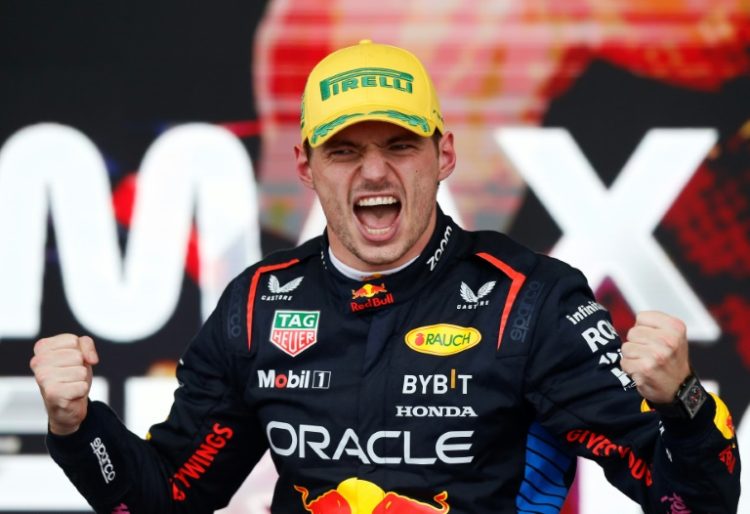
376, 200
377, 231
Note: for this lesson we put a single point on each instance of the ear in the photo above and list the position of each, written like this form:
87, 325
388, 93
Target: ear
446, 156
304, 172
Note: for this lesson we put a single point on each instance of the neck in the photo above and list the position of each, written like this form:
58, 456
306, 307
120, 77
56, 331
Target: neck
360, 275
381, 262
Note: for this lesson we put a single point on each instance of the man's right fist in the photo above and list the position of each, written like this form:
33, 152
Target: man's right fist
62, 368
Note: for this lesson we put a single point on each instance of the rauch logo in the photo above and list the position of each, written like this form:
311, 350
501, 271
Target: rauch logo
442, 339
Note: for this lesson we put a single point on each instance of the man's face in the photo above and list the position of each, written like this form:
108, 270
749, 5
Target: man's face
377, 183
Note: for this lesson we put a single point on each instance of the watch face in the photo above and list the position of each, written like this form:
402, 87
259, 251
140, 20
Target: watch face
694, 396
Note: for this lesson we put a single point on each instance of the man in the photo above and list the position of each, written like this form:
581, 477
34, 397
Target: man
399, 363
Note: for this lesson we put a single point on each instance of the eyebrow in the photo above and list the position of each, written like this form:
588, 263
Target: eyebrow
335, 142
408, 137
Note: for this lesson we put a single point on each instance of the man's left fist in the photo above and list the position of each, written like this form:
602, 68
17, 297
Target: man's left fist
655, 355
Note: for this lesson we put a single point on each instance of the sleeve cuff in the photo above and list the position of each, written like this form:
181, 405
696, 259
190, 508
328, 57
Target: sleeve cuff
679, 429
101, 423
92, 457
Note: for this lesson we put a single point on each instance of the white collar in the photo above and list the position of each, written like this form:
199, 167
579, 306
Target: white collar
359, 275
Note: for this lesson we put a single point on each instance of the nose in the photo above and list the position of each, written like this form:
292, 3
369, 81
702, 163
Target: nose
374, 166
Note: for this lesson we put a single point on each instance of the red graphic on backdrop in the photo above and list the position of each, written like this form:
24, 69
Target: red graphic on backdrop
712, 221
732, 314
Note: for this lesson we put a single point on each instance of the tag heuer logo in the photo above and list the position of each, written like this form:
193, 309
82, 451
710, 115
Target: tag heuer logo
475, 300
279, 292
294, 331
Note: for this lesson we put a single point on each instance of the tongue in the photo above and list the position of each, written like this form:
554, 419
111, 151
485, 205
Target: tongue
379, 216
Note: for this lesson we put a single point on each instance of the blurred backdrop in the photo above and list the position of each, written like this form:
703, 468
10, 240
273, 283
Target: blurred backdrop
146, 158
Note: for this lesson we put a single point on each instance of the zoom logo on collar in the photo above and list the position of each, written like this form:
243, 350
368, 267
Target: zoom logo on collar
432, 261
370, 296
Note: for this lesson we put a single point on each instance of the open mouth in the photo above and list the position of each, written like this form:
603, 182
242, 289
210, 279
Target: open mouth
377, 215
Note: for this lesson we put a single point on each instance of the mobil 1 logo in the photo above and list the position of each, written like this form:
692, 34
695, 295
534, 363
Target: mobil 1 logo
304, 379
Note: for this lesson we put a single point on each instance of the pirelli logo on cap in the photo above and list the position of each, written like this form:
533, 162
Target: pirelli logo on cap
442, 339
366, 77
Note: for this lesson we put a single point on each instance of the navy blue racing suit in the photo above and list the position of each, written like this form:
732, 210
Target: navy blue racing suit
467, 383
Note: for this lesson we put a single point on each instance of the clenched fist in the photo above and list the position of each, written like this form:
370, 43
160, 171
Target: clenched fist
655, 355
62, 367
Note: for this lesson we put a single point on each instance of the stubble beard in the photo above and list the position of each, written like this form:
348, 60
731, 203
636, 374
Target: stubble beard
376, 255
339, 221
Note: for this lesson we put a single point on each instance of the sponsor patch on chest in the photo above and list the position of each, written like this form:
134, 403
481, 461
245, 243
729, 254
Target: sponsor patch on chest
442, 339
293, 332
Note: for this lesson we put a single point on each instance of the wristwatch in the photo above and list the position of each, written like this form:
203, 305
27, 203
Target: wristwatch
687, 402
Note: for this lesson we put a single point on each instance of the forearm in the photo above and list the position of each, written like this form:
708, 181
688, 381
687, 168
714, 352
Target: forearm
699, 461
110, 466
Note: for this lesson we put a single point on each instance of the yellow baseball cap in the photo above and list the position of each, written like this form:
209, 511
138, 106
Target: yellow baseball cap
368, 81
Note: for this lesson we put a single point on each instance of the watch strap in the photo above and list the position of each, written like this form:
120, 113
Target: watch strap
690, 397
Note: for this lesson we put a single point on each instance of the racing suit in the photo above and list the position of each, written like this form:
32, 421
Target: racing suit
465, 383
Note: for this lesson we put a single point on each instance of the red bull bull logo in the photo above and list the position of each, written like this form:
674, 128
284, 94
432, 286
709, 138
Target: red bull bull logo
355, 496
368, 291
330, 502
370, 296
